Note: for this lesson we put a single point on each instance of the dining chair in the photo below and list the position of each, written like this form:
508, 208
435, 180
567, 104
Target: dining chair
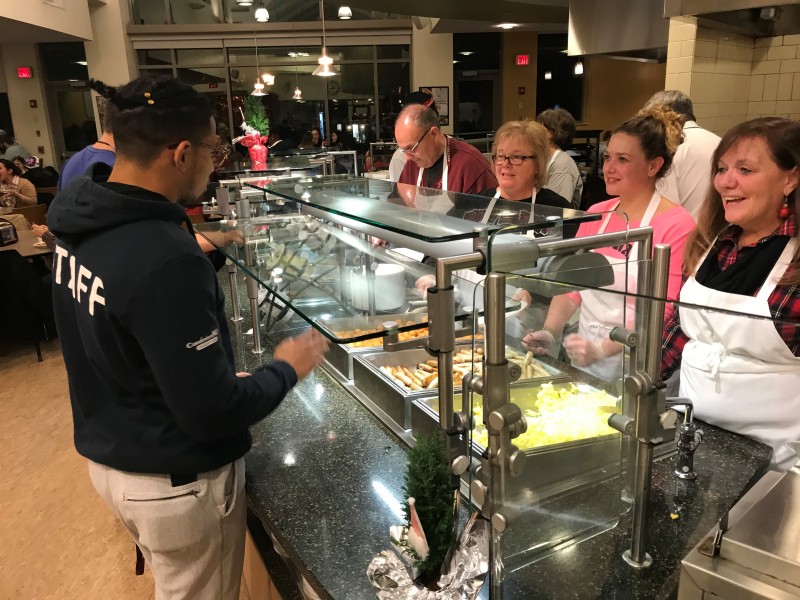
35, 214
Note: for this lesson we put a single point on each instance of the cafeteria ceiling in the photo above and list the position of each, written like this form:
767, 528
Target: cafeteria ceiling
479, 15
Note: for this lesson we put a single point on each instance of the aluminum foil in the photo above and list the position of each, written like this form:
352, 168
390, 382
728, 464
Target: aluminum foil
462, 580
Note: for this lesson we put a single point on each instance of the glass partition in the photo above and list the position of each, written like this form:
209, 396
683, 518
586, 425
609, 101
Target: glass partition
421, 213
346, 286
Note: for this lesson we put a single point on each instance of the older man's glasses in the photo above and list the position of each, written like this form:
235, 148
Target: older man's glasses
514, 160
415, 146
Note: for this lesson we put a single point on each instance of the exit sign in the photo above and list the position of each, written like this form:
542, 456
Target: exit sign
523, 60
24, 72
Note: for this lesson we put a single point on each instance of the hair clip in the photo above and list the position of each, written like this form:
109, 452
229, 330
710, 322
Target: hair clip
149, 99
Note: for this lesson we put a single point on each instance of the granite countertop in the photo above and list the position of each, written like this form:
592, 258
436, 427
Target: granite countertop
325, 479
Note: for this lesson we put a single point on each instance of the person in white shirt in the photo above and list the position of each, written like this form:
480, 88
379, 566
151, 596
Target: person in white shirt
688, 181
563, 176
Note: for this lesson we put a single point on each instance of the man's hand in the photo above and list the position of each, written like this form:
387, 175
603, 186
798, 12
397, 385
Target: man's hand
581, 351
303, 352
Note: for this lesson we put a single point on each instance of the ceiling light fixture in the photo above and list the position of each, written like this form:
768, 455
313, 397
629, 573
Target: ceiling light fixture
548, 75
506, 25
258, 87
466, 53
244, 2
345, 13
298, 93
579, 68
325, 68
262, 14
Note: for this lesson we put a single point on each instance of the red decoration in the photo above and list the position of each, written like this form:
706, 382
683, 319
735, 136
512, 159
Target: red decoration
783, 213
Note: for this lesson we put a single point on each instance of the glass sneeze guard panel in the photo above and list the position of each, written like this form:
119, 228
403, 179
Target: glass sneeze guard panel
421, 213
345, 286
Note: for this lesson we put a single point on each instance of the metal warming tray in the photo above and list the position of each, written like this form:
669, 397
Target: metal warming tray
757, 555
340, 356
395, 399
549, 469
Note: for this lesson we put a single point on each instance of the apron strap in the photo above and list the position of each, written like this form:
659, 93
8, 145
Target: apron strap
778, 270
445, 168
494, 199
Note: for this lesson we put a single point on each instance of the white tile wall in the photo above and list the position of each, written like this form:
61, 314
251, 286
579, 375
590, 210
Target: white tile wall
732, 78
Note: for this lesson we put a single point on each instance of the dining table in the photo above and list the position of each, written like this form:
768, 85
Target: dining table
29, 245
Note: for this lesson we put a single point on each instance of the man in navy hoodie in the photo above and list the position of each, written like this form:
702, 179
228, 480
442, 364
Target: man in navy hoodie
158, 408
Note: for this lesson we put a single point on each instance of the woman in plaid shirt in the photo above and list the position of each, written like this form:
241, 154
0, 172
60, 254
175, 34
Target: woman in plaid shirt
742, 371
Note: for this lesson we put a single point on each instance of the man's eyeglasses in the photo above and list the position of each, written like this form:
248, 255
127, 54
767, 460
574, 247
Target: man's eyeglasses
514, 160
415, 146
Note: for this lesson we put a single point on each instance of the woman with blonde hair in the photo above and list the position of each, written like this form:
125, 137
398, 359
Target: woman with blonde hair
639, 153
519, 154
743, 373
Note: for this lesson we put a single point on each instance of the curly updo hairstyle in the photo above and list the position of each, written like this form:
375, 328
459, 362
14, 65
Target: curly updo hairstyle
659, 132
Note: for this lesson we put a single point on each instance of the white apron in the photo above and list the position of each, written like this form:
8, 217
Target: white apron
738, 371
602, 311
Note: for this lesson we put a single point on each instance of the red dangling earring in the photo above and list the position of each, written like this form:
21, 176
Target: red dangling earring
783, 213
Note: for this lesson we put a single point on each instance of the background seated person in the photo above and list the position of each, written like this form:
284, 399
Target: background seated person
14, 190
563, 176
9, 148
743, 374
639, 153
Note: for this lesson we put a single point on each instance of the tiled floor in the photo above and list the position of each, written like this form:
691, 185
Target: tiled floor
57, 538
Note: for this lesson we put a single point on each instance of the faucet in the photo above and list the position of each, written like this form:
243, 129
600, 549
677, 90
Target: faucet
689, 437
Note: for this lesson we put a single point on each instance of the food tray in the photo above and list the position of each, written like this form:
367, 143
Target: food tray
394, 398
340, 356
552, 467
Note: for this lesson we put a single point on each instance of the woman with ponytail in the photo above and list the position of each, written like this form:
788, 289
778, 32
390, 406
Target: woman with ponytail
743, 373
639, 153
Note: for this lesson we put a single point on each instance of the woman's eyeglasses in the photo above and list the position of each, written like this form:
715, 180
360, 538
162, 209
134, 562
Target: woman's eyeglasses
514, 160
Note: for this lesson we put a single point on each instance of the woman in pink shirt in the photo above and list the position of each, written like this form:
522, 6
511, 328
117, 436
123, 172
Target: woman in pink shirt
639, 153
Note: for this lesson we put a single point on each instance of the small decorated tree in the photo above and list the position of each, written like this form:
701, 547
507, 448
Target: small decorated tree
255, 115
428, 482
256, 132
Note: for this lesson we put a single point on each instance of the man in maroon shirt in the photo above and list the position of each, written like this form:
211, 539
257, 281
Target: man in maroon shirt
436, 160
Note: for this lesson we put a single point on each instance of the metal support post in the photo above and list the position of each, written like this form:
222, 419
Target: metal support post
252, 293
232, 271
650, 403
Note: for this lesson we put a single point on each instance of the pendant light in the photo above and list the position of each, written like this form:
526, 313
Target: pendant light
325, 68
298, 93
262, 14
345, 13
258, 87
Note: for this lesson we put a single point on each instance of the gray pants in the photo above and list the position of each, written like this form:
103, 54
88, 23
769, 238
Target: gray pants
192, 535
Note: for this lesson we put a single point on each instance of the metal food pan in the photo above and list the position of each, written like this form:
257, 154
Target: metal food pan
395, 399
340, 356
553, 467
